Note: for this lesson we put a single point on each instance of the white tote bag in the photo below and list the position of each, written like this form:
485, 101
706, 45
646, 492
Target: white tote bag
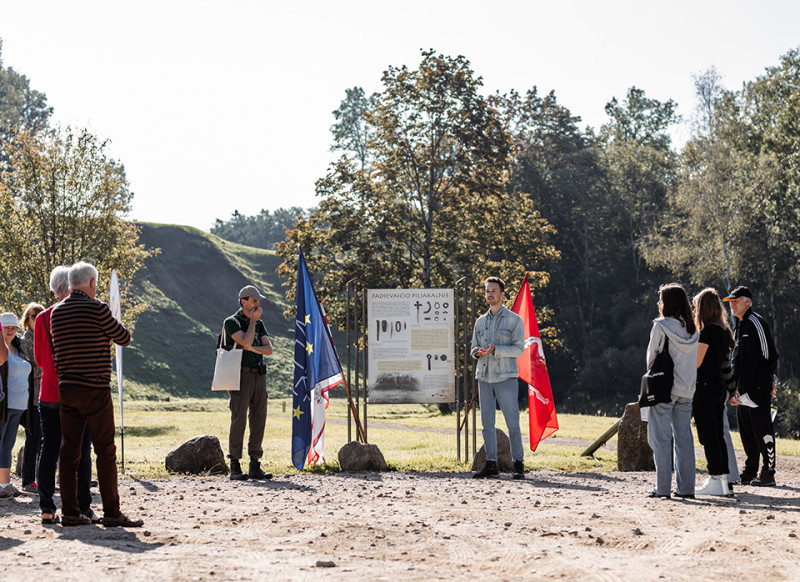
228, 369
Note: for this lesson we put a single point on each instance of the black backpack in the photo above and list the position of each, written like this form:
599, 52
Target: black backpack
657, 382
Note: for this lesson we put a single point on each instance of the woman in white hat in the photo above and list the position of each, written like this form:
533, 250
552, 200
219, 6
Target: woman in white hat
17, 380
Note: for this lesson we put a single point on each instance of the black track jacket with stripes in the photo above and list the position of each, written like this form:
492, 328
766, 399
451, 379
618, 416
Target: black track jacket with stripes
754, 357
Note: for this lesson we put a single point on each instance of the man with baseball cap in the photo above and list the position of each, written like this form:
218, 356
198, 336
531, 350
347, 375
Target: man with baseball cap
244, 330
754, 361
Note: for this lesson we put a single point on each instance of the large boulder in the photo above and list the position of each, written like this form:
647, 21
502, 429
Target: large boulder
504, 461
633, 452
355, 456
201, 454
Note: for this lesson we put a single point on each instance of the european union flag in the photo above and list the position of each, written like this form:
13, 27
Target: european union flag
316, 369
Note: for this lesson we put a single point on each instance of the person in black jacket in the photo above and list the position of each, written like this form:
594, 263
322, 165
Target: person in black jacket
754, 361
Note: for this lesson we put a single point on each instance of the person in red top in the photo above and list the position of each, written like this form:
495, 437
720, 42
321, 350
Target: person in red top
50, 416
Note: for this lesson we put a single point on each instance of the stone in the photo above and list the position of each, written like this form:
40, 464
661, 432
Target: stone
200, 454
633, 451
356, 456
504, 461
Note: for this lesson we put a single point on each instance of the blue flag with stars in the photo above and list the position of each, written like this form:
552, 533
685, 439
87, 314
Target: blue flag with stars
316, 368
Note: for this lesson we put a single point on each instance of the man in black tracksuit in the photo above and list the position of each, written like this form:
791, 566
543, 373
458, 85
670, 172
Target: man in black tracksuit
754, 360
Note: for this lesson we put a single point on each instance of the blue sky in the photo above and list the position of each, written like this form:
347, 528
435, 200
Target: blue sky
222, 106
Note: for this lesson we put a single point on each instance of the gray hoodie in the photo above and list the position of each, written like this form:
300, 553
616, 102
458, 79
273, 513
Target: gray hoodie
682, 350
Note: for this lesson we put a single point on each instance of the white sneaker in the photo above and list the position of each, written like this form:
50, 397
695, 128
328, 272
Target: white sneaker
714, 485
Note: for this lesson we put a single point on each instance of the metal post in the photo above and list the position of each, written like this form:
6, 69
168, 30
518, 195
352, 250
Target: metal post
364, 327
349, 344
465, 371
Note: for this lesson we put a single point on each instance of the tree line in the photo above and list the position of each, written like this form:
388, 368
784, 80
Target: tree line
437, 181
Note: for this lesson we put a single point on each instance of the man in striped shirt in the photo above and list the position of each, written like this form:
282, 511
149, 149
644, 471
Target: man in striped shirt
83, 330
754, 361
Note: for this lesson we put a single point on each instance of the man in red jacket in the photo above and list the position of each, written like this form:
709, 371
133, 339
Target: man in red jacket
51, 418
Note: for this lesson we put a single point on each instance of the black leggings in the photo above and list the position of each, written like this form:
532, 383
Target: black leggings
708, 407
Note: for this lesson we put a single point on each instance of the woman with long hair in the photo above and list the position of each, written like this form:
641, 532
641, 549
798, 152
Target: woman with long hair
708, 408
671, 421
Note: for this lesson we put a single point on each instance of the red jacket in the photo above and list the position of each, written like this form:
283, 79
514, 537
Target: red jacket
43, 354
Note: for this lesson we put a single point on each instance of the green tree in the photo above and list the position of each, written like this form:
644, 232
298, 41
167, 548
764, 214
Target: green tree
62, 201
432, 207
21, 108
351, 132
640, 166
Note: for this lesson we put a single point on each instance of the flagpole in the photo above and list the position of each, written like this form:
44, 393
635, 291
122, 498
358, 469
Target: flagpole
121, 409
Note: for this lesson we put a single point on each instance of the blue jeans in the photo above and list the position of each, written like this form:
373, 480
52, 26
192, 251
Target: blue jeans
48, 460
667, 422
8, 436
504, 393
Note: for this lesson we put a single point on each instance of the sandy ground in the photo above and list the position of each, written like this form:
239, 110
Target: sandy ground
412, 526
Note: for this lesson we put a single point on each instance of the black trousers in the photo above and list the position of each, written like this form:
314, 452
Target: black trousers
758, 434
708, 406
33, 441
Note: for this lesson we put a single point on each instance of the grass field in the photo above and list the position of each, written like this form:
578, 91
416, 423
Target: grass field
412, 437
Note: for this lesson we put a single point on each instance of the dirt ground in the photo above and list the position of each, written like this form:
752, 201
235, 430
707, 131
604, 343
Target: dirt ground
412, 526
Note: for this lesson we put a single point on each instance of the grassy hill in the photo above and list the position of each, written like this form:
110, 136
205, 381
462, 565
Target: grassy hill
191, 286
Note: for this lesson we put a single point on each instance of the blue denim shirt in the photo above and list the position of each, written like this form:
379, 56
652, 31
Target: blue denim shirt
506, 331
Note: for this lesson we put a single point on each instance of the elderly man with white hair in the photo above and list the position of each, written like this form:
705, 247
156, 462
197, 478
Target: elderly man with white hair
83, 328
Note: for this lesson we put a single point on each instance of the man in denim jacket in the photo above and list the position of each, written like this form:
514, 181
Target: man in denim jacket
497, 341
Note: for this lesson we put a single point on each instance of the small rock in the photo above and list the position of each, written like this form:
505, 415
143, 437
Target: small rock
599, 541
325, 564
637, 532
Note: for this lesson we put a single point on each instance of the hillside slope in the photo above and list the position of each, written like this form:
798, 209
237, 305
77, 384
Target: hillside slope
190, 287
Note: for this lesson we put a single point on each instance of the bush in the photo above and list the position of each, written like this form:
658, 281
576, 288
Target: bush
787, 399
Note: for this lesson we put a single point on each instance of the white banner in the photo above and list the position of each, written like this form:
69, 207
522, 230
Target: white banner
411, 345
116, 310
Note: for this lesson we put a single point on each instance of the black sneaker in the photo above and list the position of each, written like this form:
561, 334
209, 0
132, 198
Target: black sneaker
236, 471
489, 470
764, 481
683, 495
519, 470
656, 495
746, 478
255, 472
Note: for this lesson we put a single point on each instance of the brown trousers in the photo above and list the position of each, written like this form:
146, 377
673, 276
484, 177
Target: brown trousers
92, 408
249, 402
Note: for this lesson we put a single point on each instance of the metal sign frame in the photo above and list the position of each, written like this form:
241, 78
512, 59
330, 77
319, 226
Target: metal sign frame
357, 354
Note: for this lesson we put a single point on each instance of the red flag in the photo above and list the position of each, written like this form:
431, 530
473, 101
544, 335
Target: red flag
533, 370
